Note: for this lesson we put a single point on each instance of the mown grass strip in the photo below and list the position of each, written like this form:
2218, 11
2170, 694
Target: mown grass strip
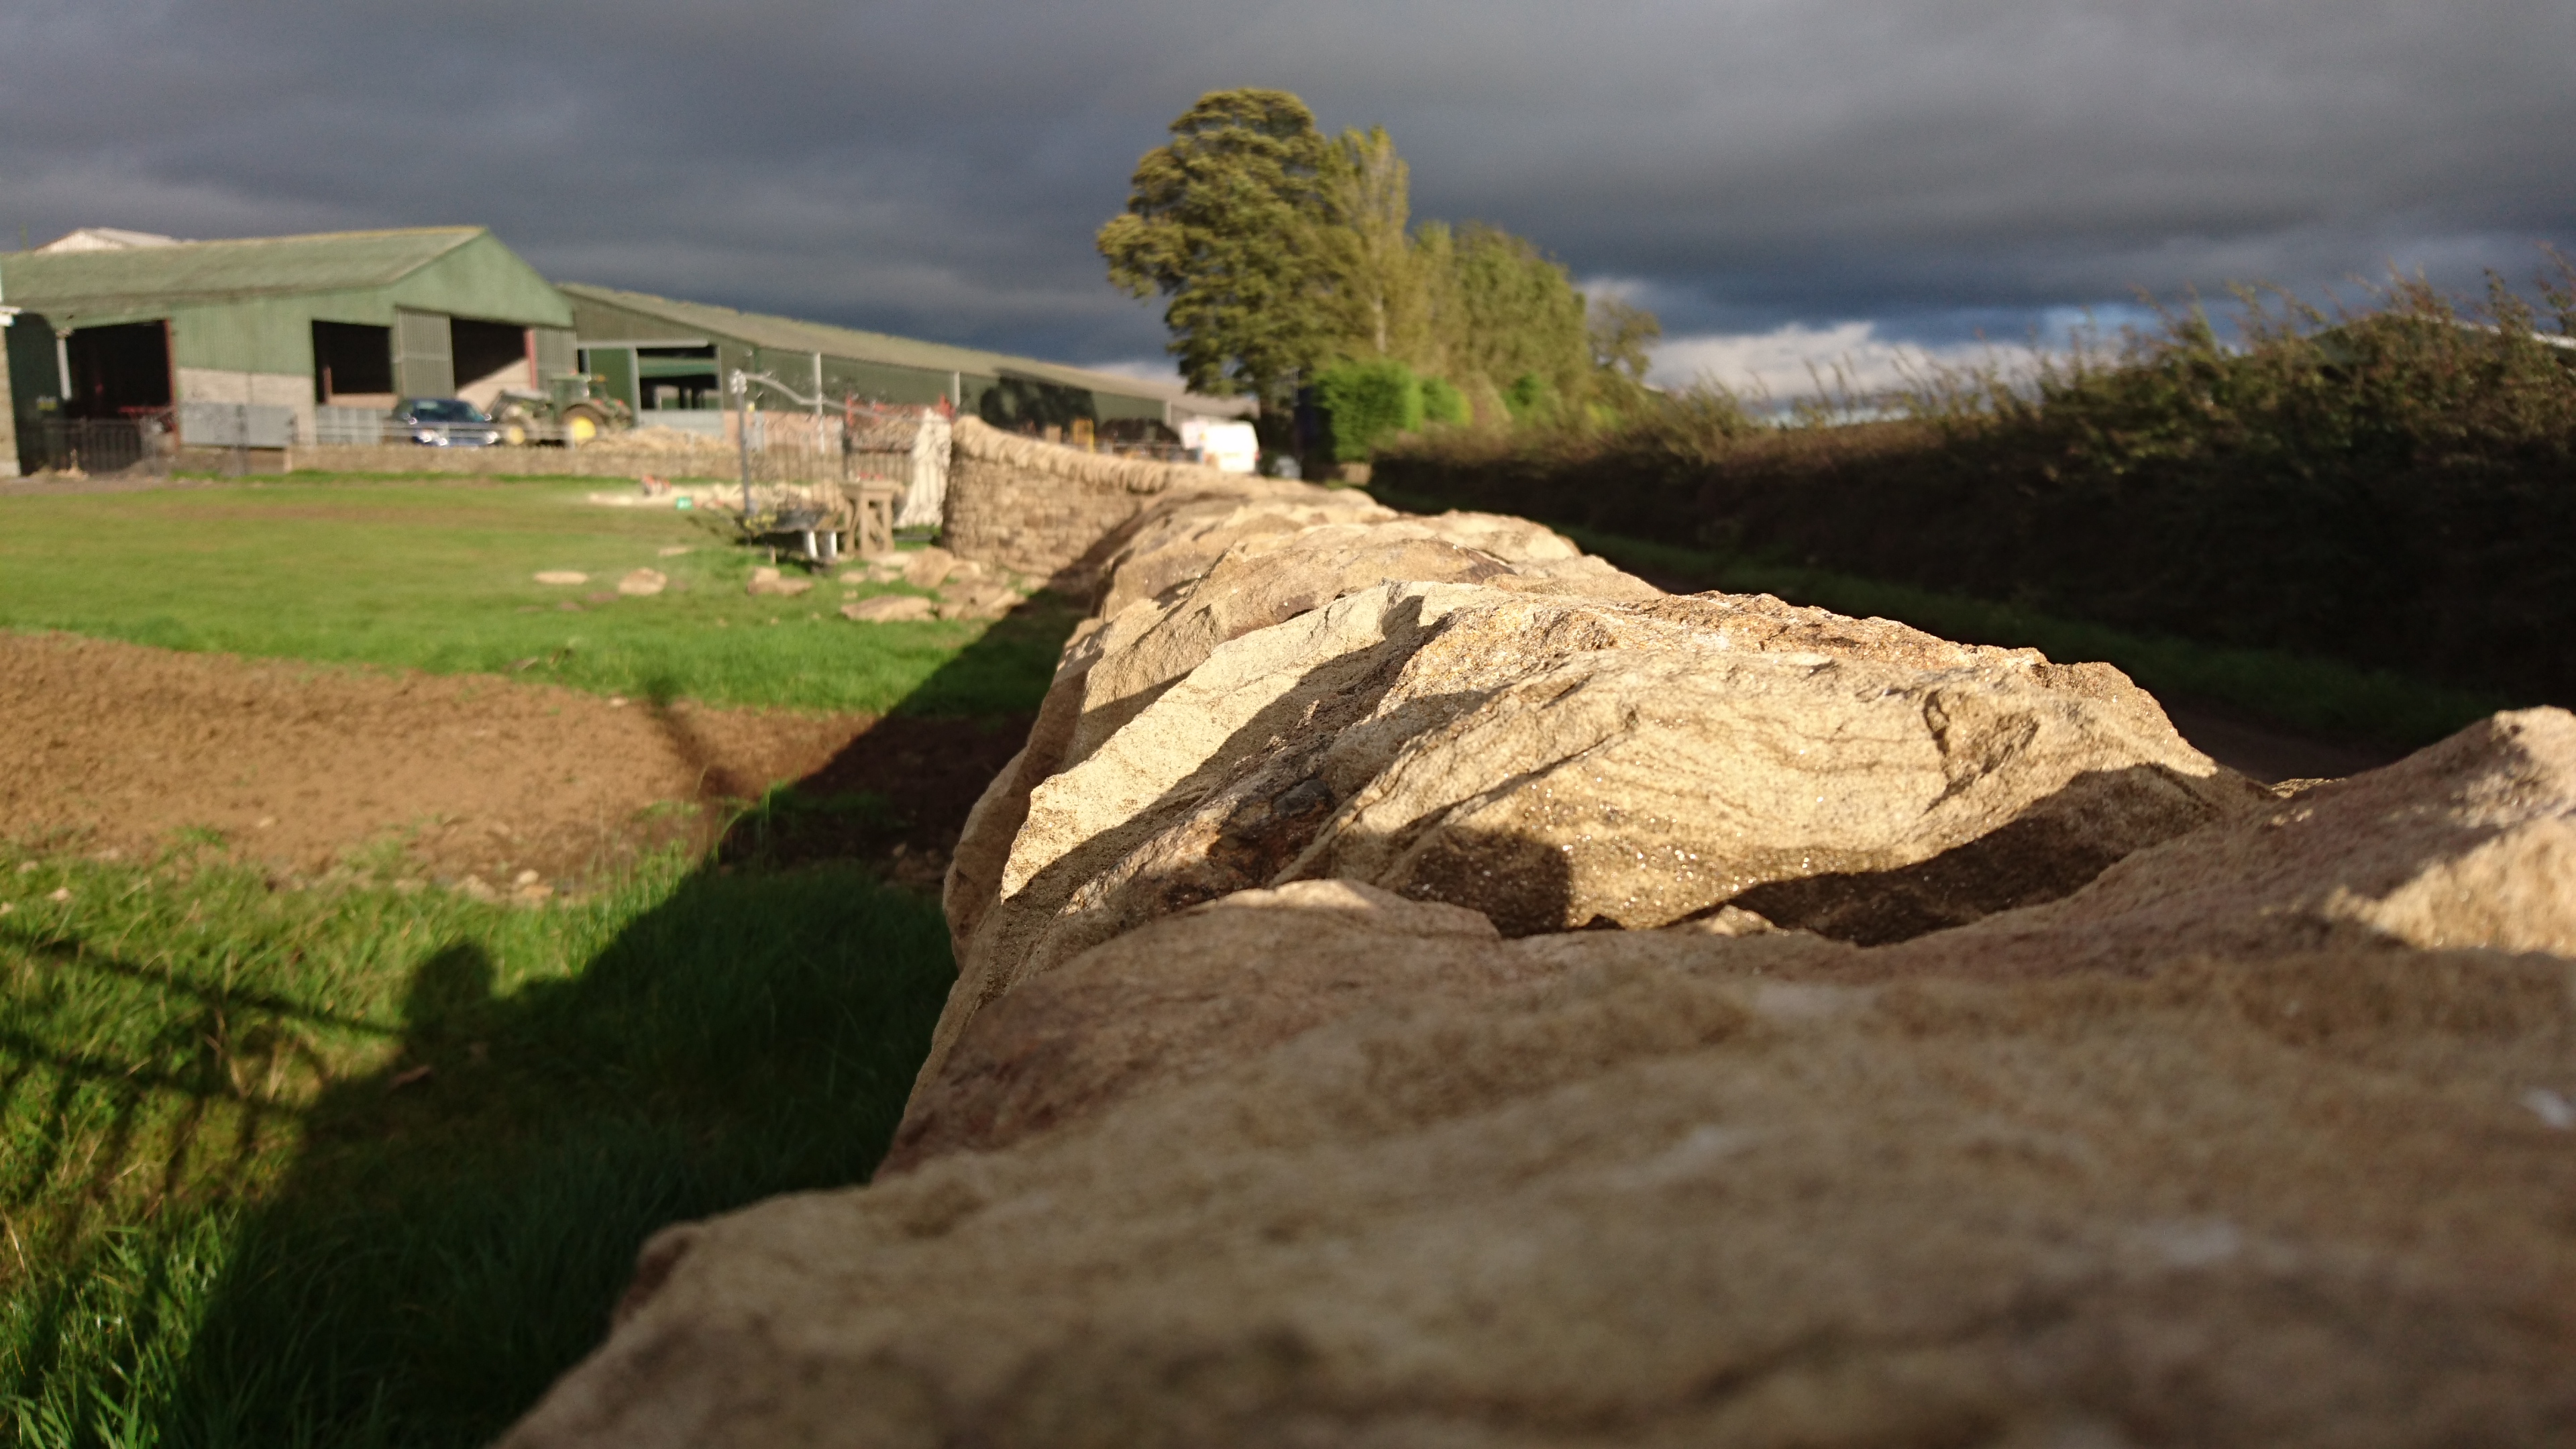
440, 577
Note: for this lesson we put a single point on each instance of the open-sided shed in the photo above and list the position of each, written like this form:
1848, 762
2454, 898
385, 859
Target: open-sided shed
667, 357
352, 318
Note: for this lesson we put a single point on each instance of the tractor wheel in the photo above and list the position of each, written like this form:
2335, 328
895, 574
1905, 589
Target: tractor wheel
582, 423
515, 434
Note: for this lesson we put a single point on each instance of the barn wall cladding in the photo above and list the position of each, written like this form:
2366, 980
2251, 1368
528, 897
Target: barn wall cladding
662, 354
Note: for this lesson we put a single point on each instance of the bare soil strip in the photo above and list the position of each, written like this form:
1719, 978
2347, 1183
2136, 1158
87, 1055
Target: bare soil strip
110, 746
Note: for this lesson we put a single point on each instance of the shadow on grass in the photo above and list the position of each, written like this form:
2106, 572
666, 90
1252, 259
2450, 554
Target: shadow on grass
456, 1226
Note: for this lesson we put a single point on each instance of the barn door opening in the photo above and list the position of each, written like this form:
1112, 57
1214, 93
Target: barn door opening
120, 371
353, 365
491, 356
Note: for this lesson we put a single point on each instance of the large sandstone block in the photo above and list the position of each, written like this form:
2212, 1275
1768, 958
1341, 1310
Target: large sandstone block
1372, 1177
1566, 763
2465, 845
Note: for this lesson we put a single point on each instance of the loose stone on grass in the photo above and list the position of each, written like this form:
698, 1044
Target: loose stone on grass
767, 582
887, 609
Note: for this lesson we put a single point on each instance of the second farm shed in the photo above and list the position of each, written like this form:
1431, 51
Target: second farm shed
668, 359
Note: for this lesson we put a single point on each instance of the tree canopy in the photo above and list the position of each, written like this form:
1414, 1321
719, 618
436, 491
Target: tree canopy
1283, 254
1228, 222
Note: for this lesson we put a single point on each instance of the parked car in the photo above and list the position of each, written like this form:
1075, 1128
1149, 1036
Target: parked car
445, 422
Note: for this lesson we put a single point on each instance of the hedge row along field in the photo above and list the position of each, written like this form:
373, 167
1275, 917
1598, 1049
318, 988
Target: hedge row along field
2394, 488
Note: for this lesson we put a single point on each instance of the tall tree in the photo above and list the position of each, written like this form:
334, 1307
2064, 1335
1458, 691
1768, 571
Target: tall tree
1231, 222
1382, 309
1513, 316
1623, 337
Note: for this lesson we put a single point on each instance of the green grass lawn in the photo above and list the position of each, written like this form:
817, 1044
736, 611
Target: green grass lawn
364, 1166
438, 576
363, 1163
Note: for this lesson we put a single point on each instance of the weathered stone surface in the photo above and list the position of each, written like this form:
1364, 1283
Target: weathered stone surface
888, 609
1181, 998
2292, 1201
767, 582
2471, 842
643, 583
1972, 1062
1178, 543
929, 567
977, 599
1268, 558
1561, 763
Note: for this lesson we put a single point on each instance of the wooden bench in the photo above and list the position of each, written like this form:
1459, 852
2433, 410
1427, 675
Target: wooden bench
871, 505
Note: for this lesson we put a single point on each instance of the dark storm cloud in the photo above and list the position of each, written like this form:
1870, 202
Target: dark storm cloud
939, 169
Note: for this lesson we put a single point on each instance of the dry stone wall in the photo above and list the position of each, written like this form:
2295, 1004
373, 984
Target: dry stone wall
1421, 986
1054, 512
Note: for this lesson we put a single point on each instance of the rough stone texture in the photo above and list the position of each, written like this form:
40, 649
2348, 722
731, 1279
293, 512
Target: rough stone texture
769, 583
2471, 842
1564, 763
1973, 1063
972, 599
2293, 1201
887, 609
926, 568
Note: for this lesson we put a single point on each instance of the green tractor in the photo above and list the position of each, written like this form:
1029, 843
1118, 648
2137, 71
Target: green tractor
575, 408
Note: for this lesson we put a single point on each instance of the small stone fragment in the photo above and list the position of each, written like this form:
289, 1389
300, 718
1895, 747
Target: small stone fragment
887, 609
767, 582
929, 567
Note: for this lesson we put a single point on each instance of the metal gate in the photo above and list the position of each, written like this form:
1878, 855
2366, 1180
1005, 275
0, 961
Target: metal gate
99, 446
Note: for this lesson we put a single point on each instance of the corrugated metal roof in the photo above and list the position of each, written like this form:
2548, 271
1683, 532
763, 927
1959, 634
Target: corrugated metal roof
215, 270
787, 334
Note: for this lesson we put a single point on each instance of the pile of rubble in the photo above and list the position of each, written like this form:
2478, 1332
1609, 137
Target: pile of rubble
962, 588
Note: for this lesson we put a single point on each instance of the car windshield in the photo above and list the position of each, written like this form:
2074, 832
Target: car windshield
445, 410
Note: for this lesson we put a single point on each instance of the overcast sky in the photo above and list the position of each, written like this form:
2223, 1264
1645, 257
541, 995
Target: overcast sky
1777, 178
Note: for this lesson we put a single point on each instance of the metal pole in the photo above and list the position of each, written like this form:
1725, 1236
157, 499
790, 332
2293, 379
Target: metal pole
742, 436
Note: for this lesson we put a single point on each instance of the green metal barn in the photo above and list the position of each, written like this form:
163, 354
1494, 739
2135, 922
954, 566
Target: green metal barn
137, 325
668, 359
